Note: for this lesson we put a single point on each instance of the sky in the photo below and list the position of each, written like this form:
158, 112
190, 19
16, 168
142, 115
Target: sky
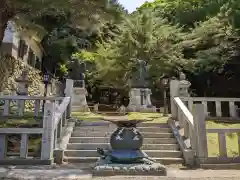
131, 5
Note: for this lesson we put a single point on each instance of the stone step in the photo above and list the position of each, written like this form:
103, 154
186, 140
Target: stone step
87, 146
165, 161
151, 153
106, 134
107, 124
156, 125
106, 140
111, 129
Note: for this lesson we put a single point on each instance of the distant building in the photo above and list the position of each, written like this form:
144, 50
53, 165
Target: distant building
22, 46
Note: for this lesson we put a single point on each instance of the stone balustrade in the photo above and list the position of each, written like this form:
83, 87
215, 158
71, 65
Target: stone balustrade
232, 110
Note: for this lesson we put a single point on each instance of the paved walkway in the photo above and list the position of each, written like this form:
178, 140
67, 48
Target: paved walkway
75, 173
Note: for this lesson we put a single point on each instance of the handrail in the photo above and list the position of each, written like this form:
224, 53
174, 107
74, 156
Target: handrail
185, 110
61, 109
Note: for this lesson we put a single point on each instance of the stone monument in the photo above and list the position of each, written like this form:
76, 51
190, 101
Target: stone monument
77, 70
125, 156
140, 93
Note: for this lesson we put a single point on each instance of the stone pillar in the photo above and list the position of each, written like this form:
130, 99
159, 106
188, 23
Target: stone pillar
148, 98
48, 132
69, 93
135, 97
174, 84
136, 102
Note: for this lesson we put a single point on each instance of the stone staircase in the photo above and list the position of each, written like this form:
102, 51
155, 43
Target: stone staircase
159, 142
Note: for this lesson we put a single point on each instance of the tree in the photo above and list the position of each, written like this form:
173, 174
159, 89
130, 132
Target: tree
65, 38
25, 11
185, 12
142, 36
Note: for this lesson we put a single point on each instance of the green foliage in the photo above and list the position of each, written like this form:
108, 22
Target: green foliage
63, 69
84, 56
142, 36
185, 12
212, 44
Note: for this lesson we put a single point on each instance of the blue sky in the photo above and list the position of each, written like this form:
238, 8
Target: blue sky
131, 5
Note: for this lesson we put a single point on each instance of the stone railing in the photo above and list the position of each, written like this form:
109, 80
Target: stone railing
231, 110
185, 122
223, 157
15, 105
191, 132
54, 119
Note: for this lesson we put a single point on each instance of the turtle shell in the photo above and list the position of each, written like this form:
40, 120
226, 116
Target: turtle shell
126, 156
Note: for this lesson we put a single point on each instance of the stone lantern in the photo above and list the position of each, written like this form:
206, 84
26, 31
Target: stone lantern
23, 84
183, 86
22, 90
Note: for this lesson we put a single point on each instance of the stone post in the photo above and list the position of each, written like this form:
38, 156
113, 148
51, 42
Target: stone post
48, 132
174, 85
95, 108
69, 93
200, 132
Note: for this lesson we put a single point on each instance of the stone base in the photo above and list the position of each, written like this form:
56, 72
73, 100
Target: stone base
141, 109
103, 168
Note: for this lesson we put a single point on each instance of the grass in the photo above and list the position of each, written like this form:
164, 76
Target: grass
26, 121
231, 139
155, 117
213, 151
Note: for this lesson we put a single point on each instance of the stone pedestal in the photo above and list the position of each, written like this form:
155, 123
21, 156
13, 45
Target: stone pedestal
79, 98
140, 100
104, 168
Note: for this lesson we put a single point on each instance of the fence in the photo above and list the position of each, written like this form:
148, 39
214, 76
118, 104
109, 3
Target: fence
193, 124
15, 105
215, 108
53, 121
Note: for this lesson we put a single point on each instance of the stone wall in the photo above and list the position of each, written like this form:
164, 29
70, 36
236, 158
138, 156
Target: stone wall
36, 88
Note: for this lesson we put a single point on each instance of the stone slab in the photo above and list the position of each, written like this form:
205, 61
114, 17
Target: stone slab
102, 168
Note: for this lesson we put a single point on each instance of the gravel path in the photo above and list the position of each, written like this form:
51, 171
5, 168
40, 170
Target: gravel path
75, 173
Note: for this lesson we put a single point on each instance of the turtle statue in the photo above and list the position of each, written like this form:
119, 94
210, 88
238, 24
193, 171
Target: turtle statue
126, 143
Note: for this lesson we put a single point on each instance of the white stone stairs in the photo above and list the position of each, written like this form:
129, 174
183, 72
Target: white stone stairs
159, 142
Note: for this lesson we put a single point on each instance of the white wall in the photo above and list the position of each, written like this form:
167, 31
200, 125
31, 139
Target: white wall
8, 36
